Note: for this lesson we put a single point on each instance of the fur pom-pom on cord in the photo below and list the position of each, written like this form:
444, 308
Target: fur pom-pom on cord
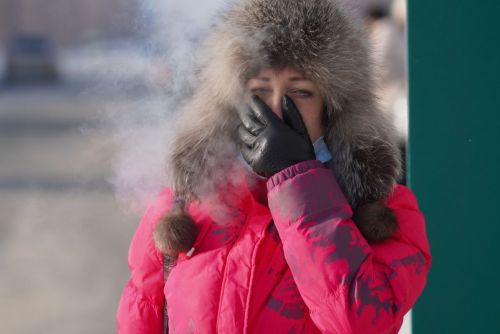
376, 221
176, 233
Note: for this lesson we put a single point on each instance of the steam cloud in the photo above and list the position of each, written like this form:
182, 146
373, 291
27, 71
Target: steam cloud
143, 129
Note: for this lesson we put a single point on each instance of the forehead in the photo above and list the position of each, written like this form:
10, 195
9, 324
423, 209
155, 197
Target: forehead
287, 73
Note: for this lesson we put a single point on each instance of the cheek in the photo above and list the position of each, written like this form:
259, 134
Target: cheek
311, 112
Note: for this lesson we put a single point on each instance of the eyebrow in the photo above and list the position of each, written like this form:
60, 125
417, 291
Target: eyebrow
267, 79
299, 79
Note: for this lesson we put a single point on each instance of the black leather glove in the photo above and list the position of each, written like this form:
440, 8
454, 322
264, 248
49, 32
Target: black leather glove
269, 144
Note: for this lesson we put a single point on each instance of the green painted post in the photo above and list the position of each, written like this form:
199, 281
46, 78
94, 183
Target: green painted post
454, 160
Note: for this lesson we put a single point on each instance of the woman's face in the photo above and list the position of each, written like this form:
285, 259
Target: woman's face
271, 85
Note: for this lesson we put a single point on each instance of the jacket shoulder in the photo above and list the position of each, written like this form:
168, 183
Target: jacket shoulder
142, 242
402, 197
141, 304
158, 208
411, 221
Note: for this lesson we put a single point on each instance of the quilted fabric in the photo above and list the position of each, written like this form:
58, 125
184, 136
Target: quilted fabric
294, 263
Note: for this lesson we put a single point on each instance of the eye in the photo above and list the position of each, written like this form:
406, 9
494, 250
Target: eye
260, 91
301, 93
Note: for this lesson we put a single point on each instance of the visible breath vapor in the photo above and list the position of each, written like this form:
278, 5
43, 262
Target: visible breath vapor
144, 128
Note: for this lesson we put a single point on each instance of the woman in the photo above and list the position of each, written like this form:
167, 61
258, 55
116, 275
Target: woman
284, 215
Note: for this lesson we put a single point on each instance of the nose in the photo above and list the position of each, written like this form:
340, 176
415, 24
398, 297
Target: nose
276, 105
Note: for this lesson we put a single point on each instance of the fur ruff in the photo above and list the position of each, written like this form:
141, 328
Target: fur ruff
317, 38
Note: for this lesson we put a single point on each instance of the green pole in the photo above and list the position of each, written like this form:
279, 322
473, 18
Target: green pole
454, 160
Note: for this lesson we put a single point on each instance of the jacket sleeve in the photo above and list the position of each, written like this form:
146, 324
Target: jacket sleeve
349, 286
141, 304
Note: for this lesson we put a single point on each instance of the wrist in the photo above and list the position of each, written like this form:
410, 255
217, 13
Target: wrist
291, 171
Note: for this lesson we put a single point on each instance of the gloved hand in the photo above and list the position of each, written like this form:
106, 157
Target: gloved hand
269, 144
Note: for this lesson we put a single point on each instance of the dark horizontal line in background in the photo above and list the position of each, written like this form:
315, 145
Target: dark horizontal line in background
97, 185
12, 127
85, 88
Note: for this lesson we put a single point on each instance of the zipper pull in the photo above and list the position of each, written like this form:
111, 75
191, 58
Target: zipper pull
190, 252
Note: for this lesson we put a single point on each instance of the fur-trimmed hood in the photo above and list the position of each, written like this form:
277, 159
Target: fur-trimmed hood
319, 39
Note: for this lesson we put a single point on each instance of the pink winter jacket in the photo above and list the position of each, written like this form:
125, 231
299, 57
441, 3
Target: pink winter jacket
296, 265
